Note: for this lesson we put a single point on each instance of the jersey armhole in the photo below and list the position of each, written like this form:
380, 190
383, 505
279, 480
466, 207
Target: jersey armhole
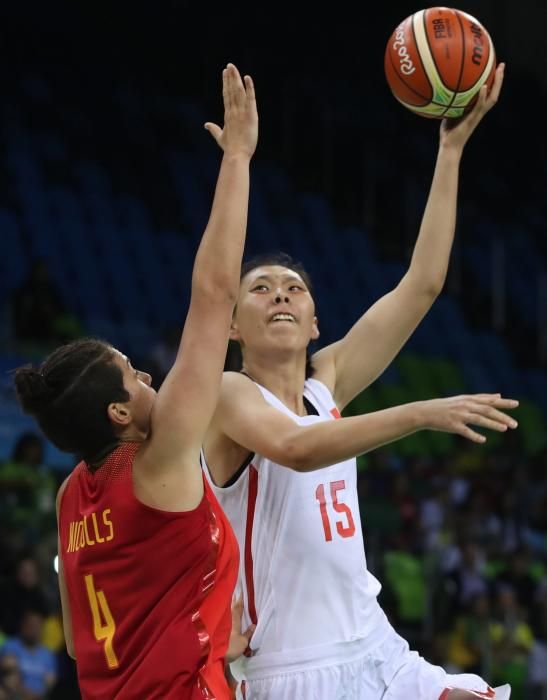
232, 480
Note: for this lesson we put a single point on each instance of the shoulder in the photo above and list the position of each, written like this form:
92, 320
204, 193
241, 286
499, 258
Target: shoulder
60, 493
10, 646
234, 386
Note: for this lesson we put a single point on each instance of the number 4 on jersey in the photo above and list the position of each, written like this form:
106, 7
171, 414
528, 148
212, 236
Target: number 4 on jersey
344, 530
102, 631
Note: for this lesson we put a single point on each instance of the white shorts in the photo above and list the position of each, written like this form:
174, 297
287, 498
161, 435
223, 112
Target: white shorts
390, 672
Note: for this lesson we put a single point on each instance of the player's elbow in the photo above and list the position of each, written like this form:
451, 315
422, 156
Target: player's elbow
426, 287
294, 455
70, 650
433, 287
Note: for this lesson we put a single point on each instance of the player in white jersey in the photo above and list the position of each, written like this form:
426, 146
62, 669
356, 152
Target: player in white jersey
285, 472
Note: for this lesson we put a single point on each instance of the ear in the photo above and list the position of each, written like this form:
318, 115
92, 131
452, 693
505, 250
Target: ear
315, 329
119, 413
234, 331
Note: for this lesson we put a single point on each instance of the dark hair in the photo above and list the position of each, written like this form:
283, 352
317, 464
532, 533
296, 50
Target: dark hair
69, 396
233, 358
277, 258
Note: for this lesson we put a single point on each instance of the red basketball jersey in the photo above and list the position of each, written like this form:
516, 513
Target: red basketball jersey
150, 591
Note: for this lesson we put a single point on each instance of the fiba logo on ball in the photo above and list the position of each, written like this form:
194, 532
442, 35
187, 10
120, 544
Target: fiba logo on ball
437, 60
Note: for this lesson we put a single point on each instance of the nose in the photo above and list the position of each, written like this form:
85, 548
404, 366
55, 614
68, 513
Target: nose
280, 297
146, 378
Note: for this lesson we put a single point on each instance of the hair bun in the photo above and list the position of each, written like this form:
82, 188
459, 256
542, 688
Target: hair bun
32, 389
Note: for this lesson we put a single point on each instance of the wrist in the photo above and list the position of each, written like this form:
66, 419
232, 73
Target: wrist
450, 153
237, 156
420, 416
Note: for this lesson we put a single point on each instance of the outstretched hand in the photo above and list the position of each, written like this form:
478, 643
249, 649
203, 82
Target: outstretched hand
456, 132
240, 132
456, 413
239, 641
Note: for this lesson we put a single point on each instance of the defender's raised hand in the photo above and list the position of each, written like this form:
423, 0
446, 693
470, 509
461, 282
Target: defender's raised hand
240, 132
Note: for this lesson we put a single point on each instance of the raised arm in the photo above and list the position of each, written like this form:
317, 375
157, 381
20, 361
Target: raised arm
248, 420
354, 362
169, 471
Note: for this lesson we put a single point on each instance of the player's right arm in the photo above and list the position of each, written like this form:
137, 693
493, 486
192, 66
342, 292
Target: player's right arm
65, 604
168, 474
248, 420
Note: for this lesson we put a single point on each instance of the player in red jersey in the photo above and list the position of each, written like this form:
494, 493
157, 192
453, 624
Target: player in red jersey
148, 561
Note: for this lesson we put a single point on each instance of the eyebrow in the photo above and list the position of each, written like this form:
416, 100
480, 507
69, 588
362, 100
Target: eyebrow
286, 277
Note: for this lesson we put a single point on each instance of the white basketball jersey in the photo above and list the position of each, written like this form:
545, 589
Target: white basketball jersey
302, 569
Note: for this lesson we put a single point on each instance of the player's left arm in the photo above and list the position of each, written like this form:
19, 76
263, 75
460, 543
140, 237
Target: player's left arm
65, 604
355, 361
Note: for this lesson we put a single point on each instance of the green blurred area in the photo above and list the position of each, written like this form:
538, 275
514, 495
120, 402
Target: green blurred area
423, 378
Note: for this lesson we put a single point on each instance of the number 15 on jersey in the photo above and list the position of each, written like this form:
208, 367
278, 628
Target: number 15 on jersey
345, 525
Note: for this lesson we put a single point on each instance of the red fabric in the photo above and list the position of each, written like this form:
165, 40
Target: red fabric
165, 580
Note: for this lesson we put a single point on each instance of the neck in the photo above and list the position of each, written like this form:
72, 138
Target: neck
284, 377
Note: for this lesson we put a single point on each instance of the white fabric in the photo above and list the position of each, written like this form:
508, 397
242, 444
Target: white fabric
311, 585
390, 672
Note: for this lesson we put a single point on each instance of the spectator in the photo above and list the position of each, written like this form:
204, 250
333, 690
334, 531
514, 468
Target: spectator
38, 313
517, 576
21, 593
11, 683
27, 487
469, 575
512, 641
37, 664
537, 662
470, 645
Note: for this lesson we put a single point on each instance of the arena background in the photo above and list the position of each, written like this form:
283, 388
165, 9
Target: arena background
106, 177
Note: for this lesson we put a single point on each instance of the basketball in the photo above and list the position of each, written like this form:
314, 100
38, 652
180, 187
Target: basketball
437, 60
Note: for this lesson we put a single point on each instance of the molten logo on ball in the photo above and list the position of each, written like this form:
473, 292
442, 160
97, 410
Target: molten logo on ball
478, 41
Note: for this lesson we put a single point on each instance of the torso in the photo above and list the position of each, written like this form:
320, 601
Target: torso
303, 567
149, 590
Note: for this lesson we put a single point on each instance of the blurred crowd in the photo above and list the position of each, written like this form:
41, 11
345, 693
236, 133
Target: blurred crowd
459, 544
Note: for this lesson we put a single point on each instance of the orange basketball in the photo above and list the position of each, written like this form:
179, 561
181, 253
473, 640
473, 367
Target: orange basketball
437, 60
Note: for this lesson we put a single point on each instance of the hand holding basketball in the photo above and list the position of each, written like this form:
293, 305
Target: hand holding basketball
456, 132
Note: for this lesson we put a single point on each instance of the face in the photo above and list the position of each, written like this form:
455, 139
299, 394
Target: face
27, 573
142, 395
31, 628
274, 311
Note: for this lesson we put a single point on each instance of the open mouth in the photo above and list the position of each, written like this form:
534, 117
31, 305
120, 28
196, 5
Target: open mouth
276, 318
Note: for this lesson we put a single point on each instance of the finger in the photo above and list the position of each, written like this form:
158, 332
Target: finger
249, 632
250, 88
239, 88
225, 92
470, 434
237, 603
231, 71
489, 423
499, 416
490, 411
214, 130
496, 85
495, 400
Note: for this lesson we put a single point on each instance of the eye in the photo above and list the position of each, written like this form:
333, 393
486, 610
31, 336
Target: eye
296, 287
260, 288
